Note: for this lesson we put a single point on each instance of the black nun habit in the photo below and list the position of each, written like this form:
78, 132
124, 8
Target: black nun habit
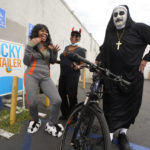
121, 104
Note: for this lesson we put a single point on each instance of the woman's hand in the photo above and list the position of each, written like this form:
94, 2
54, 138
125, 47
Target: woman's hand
36, 41
54, 47
64, 53
142, 65
76, 67
57, 48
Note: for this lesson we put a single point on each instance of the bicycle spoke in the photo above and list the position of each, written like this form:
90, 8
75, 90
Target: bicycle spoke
88, 137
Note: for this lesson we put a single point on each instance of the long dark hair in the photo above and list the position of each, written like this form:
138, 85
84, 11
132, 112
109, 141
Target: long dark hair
35, 30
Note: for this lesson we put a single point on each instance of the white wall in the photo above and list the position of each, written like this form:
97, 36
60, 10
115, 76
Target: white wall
147, 68
53, 13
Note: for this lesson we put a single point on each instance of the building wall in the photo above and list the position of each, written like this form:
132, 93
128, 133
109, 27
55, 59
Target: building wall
53, 13
147, 68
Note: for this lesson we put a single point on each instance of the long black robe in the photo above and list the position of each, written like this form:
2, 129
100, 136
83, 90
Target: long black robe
121, 105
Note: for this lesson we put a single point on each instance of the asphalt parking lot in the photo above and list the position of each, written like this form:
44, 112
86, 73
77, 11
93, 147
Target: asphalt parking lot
139, 133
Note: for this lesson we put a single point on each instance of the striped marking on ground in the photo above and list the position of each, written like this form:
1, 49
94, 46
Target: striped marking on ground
4, 117
19, 98
42, 114
19, 108
9, 105
133, 146
27, 142
115, 141
9, 100
138, 147
6, 134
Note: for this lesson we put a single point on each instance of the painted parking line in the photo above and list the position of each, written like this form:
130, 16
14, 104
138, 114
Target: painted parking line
9, 105
40, 114
5, 134
138, 147
115, 141
133, 146
27, 142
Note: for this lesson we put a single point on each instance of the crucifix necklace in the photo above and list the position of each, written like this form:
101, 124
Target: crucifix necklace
119, 38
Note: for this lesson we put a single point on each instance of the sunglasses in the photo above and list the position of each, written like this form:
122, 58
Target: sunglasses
74, 34
121, 13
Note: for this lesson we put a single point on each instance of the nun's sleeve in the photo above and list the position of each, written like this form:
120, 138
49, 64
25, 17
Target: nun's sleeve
147, 56
144, 32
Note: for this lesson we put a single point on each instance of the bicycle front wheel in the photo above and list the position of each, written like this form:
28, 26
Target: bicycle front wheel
86, 131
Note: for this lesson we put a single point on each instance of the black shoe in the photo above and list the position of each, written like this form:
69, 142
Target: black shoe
123, 142
63, 118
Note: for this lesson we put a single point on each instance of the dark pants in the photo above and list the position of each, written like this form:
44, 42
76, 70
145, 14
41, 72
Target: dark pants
68, 87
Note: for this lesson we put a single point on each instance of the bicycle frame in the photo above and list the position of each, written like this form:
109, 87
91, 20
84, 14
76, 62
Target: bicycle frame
92, 101
93, 97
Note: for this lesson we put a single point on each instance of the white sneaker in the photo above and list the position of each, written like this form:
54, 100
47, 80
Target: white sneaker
54, 130
33, 126
61, 126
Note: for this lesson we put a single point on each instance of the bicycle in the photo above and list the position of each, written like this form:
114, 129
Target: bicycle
86, 128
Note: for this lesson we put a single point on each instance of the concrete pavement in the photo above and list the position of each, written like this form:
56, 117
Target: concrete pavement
139, 133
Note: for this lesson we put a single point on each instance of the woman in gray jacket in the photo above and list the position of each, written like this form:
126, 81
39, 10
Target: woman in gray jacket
39, 53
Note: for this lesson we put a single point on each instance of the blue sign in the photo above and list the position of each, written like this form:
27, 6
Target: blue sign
2, 18
7, 82
31, 26
11, 56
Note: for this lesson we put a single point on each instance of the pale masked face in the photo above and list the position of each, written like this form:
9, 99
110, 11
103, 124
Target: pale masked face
120, 17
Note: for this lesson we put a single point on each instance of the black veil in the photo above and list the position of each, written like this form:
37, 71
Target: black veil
111, 26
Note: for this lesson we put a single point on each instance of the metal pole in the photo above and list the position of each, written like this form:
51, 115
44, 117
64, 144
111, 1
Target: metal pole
14, 100
47, 101
149, 75
84, 75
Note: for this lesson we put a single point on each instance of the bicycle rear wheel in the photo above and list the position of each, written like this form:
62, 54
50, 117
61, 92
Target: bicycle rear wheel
91, 132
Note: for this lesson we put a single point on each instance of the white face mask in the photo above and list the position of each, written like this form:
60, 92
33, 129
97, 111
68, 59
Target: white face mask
74, 44
120, 17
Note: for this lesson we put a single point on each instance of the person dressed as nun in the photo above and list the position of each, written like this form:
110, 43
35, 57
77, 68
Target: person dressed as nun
122, 53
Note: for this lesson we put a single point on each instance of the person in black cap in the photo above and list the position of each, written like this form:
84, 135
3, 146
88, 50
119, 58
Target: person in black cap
122, 53
69, 74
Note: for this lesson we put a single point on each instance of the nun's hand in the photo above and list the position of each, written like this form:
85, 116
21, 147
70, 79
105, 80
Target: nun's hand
142, 65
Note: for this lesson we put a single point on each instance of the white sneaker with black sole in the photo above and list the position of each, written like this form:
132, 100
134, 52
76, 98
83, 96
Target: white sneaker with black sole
33, 126
54, 130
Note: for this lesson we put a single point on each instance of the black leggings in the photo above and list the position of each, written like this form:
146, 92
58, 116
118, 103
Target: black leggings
68, 87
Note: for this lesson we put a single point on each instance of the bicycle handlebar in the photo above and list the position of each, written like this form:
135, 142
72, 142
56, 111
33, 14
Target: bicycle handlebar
76, 56
107, 72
